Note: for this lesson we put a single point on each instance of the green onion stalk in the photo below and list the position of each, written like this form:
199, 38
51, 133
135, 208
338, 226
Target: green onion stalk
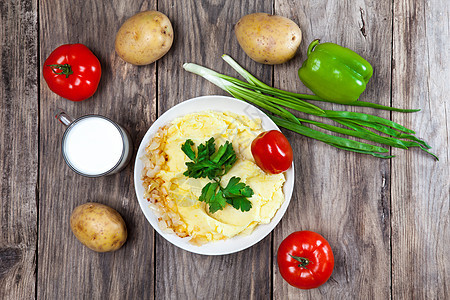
354, 124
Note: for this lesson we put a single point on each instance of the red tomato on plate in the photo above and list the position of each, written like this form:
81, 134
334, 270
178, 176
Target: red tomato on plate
272, 152
305, 259
72, 71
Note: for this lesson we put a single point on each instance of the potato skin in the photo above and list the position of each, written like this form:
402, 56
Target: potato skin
98, 227
268, 39
144, 38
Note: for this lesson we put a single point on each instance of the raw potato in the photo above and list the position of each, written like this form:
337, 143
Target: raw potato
99, 227
144, 38
268, 39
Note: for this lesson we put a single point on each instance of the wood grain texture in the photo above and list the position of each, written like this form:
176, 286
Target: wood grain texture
341, 195
126, 94
18, 148
420, 191
203, 32
386, 220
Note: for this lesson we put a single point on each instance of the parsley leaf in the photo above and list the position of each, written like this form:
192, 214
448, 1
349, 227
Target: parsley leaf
212, 164
212, 197
218, 203
225, 157
208, 192
187, 149
202, 170
237, 192
241, 203
208, 163
204, 151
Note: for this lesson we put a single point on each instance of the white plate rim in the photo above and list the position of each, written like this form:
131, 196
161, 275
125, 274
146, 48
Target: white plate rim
211, 103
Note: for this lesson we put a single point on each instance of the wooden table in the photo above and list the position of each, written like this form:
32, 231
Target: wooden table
386, 220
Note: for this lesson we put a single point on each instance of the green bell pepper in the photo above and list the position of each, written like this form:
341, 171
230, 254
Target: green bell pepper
335, 73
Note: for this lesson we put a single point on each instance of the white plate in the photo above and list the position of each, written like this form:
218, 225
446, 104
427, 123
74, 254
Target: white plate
222, 104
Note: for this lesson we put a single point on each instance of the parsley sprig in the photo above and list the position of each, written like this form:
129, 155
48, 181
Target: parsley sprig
212, 164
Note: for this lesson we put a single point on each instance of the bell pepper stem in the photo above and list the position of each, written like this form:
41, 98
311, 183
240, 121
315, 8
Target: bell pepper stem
302, 260
312, 45
66, 69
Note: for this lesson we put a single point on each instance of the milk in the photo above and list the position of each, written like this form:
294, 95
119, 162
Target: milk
94, 145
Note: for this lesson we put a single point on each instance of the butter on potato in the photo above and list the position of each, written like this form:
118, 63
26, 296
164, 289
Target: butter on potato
268, 39
98, 227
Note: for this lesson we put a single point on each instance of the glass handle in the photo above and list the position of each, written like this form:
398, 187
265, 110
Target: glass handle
64, 118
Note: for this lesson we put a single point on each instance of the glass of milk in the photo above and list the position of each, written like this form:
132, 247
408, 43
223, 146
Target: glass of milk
95, 146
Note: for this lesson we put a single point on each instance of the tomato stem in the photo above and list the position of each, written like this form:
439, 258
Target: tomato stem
302, 260
65, 69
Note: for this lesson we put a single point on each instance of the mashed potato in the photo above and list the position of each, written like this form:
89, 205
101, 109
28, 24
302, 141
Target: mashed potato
174, 197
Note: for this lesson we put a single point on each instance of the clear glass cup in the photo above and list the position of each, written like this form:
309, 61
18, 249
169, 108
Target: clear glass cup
94, 145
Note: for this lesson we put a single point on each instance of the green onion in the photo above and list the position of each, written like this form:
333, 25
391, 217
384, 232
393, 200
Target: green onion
365, 117
382, 129
259, 84
327, 138
276, 102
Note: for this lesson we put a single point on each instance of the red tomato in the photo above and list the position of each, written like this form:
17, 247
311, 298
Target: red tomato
305, 259
72, 71
272, 152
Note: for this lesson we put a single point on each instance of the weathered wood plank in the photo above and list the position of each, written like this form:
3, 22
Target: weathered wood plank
18, 148
343, 196
420, 189
203, 32
127, 94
